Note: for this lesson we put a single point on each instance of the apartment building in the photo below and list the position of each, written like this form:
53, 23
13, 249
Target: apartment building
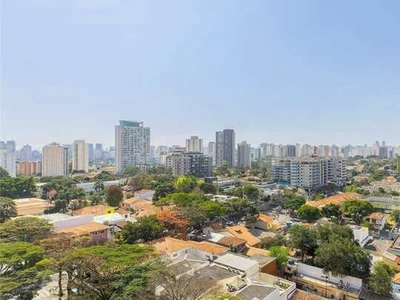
55, 160
310, 172
194, 163
80, 156
194, 144
132, 145
225, 147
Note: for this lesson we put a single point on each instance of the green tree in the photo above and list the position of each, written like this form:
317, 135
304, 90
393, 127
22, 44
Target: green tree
24, 268
8, 209
109, 272
163, 190
3, 173
146, 229
114, 196
208, 188
343, 257
293, 202
395, 214
17, 187
309, 213
185, 184
251, 192
357, 209
327, 232
380, 279
222, 170
277, 240
98, 185
140, 181
131, 171
304, 239
331, 211
239, 208
281, 254
25, 229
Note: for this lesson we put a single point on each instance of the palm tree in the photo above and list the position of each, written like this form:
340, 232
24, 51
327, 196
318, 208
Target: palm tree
98, 185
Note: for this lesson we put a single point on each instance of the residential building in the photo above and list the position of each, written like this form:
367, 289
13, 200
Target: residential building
266, 150
337, 199
291, 150
28, 168
243, 233
193, 163
132, 145
212, 151
8, 145
8, 161
255, 153
244, 154
25, 154
80, 156
194, 144
36, 155
91, 152
55, 161
97, 232
310, 172
225, 147
361, 234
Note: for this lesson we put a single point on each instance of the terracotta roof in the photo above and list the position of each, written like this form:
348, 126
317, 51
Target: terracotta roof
171, 245
96, 210
243, 233
270, 221
142, 207
336, 199
83, 229
250, 251
396, 278
231, 240
376, 216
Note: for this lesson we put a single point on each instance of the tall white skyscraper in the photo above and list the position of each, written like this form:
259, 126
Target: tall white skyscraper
54, 160
80, 156
8, 161
194, 144
132, 145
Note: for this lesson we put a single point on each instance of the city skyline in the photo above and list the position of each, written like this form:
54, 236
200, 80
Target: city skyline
273, 71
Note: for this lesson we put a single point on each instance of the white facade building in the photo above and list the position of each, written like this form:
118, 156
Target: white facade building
8, 161
132, 145
194, 144
55, 160
80, 156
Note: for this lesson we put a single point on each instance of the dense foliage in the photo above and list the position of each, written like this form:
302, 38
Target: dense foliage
17, 187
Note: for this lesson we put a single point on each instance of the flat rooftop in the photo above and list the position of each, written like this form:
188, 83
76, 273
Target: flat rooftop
236, 261
251, 292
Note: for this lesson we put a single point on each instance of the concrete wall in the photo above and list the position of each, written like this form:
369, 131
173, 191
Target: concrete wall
355, 283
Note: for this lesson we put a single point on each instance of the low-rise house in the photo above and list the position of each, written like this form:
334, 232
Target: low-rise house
113, 219
337, 199
314, 280
243, 233
173, 248
377, 219
266, 222
99, 210
267, 263
361, 235
144, 195
141, 207
31, 206
97, 232
61, 221
238, 263
88, 187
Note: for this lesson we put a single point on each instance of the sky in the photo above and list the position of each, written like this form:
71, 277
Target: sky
283, 71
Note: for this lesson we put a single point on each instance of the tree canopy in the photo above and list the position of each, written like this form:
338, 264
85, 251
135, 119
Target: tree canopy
8, 209
185, 184
25, 229
145, 229
304, 239
114, 196
308, 213
3, 173
281, 254
293, 202
112, 272
357, 209
277, 240
17, 187
380, 279
24, 268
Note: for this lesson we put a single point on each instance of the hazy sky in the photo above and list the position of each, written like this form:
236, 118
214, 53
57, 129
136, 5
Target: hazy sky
275, 71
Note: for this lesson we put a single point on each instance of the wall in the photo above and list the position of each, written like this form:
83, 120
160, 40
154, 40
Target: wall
73, 221
269, 268
355, 283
